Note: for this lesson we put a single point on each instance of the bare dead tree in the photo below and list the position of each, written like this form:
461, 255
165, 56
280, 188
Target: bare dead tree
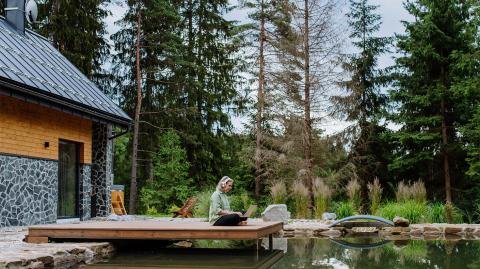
138, 107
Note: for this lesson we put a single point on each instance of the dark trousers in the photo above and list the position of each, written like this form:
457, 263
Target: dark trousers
228, 220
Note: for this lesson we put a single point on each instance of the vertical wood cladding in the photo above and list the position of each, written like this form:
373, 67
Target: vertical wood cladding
25, 127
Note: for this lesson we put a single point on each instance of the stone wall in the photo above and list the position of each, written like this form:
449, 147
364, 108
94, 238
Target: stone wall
102, 170
28, 191
85, 188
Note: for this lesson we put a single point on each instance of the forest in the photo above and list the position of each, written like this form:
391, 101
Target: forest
183, 71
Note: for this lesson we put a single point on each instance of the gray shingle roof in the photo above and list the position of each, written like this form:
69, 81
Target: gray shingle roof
31, 60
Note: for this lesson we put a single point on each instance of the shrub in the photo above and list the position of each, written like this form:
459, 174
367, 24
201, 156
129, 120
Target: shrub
239, 202
323, 195
436, 213
151, 211
374, 194
279, 192
415, 212
354, 195
300, 197
453, 214
343, 209
416, 192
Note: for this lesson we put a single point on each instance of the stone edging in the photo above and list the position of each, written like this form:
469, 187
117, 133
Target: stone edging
414, 231
14, 253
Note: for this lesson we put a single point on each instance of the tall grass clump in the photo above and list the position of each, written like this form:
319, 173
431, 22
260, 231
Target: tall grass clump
436, 213
415, 212
415, 191
300, 198
343, 209
202, 206
374, 194
439, 213
453, 213
354, 195
322, 194
278, 191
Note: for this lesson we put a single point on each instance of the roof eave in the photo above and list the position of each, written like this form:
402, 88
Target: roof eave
43, 96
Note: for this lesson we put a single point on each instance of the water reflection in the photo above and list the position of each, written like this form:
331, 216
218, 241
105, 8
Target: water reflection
182, 258
310, 253
322, 253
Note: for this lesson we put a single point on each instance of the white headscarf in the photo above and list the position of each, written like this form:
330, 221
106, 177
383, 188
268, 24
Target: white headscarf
223, 182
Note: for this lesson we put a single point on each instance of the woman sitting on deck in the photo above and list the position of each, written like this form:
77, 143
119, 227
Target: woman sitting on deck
220, 213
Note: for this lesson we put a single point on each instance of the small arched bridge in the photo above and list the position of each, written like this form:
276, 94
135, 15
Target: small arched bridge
362, 217
351, 245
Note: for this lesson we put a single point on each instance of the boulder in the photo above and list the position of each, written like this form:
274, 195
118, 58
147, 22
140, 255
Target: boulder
401, 222
276, 212
114, 217
329, 216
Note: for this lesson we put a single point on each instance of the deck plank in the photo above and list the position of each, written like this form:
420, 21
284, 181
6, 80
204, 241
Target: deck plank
154, 230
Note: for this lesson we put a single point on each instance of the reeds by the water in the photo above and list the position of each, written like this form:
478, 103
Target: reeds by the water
354, 195
300, 199
374, 194
323, 195
415, 191
278, 191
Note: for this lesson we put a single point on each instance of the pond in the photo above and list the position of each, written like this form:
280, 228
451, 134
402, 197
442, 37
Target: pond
347, 253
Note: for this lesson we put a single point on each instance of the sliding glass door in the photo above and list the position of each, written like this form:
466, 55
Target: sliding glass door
68, 169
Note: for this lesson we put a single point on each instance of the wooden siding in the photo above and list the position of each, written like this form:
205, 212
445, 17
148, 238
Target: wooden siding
25, 127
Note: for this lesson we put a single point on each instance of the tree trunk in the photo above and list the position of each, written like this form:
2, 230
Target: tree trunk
446, 164
133, 183
307, 126
260, 104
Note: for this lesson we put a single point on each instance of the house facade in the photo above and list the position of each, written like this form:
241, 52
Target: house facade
56, 132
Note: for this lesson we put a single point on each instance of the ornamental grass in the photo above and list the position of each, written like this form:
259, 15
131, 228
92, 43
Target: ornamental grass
278, 191
354, 195
323, 195
300, 199
374, 194
415, 191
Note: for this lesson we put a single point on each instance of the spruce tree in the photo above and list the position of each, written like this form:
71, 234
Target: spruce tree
210, 75
77, 28
363, 100
147, 46
431, 83
269, 27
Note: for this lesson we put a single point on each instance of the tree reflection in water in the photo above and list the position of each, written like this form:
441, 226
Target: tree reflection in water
414, 254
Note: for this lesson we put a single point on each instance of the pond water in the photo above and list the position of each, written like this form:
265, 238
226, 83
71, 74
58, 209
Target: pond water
348, 253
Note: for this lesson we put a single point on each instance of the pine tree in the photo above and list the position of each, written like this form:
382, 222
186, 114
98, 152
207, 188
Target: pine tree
76, 28
309, 70
147, 47
363, 100
268, 29
431, 86
189, 74
210, 75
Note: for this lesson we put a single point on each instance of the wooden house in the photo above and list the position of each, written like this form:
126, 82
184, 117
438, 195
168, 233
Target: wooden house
56, 139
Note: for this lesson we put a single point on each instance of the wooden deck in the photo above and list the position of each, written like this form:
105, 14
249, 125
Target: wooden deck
150, 230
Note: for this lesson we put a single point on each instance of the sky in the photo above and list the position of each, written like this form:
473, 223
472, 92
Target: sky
392, 13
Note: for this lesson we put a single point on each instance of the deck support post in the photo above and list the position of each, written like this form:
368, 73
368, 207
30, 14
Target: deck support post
270, 242
36, 239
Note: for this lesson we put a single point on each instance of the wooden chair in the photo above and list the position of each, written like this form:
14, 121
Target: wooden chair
186, 210
118, 206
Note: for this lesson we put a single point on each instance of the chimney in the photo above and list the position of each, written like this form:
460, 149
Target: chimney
15, 14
